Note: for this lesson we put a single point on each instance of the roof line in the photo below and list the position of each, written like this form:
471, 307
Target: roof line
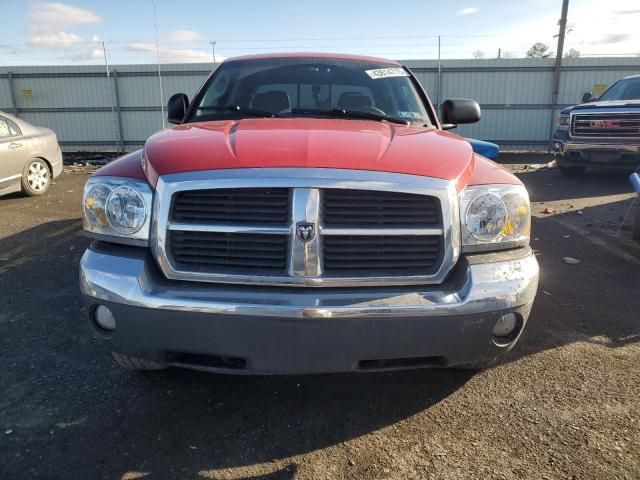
342, 56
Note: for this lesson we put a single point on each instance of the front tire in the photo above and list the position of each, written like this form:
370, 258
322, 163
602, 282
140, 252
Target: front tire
134, 363
36, 177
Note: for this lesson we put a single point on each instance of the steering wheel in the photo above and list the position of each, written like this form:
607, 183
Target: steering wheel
372, 109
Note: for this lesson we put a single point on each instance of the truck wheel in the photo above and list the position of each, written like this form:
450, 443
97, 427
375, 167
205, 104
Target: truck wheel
36, 177
571, 171
636, 222
134, 363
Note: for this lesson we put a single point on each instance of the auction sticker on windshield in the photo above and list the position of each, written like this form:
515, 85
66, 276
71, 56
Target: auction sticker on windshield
387, 73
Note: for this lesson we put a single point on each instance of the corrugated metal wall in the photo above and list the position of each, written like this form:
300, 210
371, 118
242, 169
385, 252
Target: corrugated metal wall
89, 111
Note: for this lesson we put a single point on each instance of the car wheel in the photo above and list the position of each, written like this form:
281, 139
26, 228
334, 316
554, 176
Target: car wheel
571, 171
36, 177
636, 223
134, 363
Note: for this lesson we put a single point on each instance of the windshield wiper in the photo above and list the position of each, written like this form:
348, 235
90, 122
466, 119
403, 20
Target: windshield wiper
238, 109
341, 112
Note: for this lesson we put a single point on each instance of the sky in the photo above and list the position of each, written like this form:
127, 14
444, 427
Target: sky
74, 31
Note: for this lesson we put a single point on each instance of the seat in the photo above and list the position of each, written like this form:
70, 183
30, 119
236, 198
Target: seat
274, 101
633, 91
354, 101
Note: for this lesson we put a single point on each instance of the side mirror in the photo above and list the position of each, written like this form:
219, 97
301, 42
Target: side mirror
586, 97
486, 149
177, 108
459, 110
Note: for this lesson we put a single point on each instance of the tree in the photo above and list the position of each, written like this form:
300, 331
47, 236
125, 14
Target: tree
572, 53
478, 54
539, 50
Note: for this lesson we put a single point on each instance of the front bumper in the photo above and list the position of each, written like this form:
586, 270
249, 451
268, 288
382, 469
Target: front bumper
56, 162
624, 154
240, 329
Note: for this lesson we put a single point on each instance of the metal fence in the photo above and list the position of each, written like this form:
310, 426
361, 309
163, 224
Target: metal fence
92, 111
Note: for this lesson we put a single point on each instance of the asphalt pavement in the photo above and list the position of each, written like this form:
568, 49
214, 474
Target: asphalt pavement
562, 405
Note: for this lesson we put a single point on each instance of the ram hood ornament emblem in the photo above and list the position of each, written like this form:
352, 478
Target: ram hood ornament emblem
305, 231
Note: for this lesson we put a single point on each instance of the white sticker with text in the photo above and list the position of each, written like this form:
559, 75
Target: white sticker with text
387, 73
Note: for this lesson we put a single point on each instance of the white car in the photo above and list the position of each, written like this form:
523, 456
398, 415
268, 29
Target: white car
30, 157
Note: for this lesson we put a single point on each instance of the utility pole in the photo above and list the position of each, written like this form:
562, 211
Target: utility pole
439, 89
557, 68
213, 51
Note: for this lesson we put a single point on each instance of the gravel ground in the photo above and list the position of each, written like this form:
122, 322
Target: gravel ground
562, 405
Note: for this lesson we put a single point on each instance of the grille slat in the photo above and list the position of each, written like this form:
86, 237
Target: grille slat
378, 208
240, 206
235, 253
228, 261
366, 254
223, 248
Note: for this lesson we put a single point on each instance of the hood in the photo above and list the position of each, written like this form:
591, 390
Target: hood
308, 142
603, 105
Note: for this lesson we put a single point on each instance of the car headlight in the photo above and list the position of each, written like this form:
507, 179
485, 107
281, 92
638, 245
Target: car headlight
563, 121
494, 217
117, 210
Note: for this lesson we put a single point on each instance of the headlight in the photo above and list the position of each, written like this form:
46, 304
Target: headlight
117, 209
563, 121
494, 217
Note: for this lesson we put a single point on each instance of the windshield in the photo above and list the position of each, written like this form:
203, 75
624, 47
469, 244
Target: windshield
310, 87
628, 89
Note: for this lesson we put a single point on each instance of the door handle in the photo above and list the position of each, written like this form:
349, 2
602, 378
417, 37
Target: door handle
13, 146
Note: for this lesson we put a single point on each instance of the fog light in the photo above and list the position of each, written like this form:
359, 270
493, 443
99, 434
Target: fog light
105, 318
506, 325
557, 146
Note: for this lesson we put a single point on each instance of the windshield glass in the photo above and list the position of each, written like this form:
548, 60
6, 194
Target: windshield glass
310, 87
628, 89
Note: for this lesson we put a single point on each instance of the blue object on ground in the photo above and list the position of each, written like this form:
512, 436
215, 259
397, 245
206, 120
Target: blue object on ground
635, 182
486, 149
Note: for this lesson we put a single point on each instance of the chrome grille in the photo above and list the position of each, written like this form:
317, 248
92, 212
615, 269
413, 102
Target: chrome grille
379, 209
235, 206
606, 125
306, 227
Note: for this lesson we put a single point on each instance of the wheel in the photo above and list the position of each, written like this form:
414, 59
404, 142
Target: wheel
134, 363
570, 171
36, 177
636, 222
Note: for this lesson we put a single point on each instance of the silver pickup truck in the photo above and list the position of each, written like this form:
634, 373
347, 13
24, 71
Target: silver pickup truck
601, 132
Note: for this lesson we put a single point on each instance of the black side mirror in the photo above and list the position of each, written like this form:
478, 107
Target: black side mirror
586, 97
459, 110
177, 108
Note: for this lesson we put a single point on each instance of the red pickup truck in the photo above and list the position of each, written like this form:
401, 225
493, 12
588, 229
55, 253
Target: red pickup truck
309, 213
